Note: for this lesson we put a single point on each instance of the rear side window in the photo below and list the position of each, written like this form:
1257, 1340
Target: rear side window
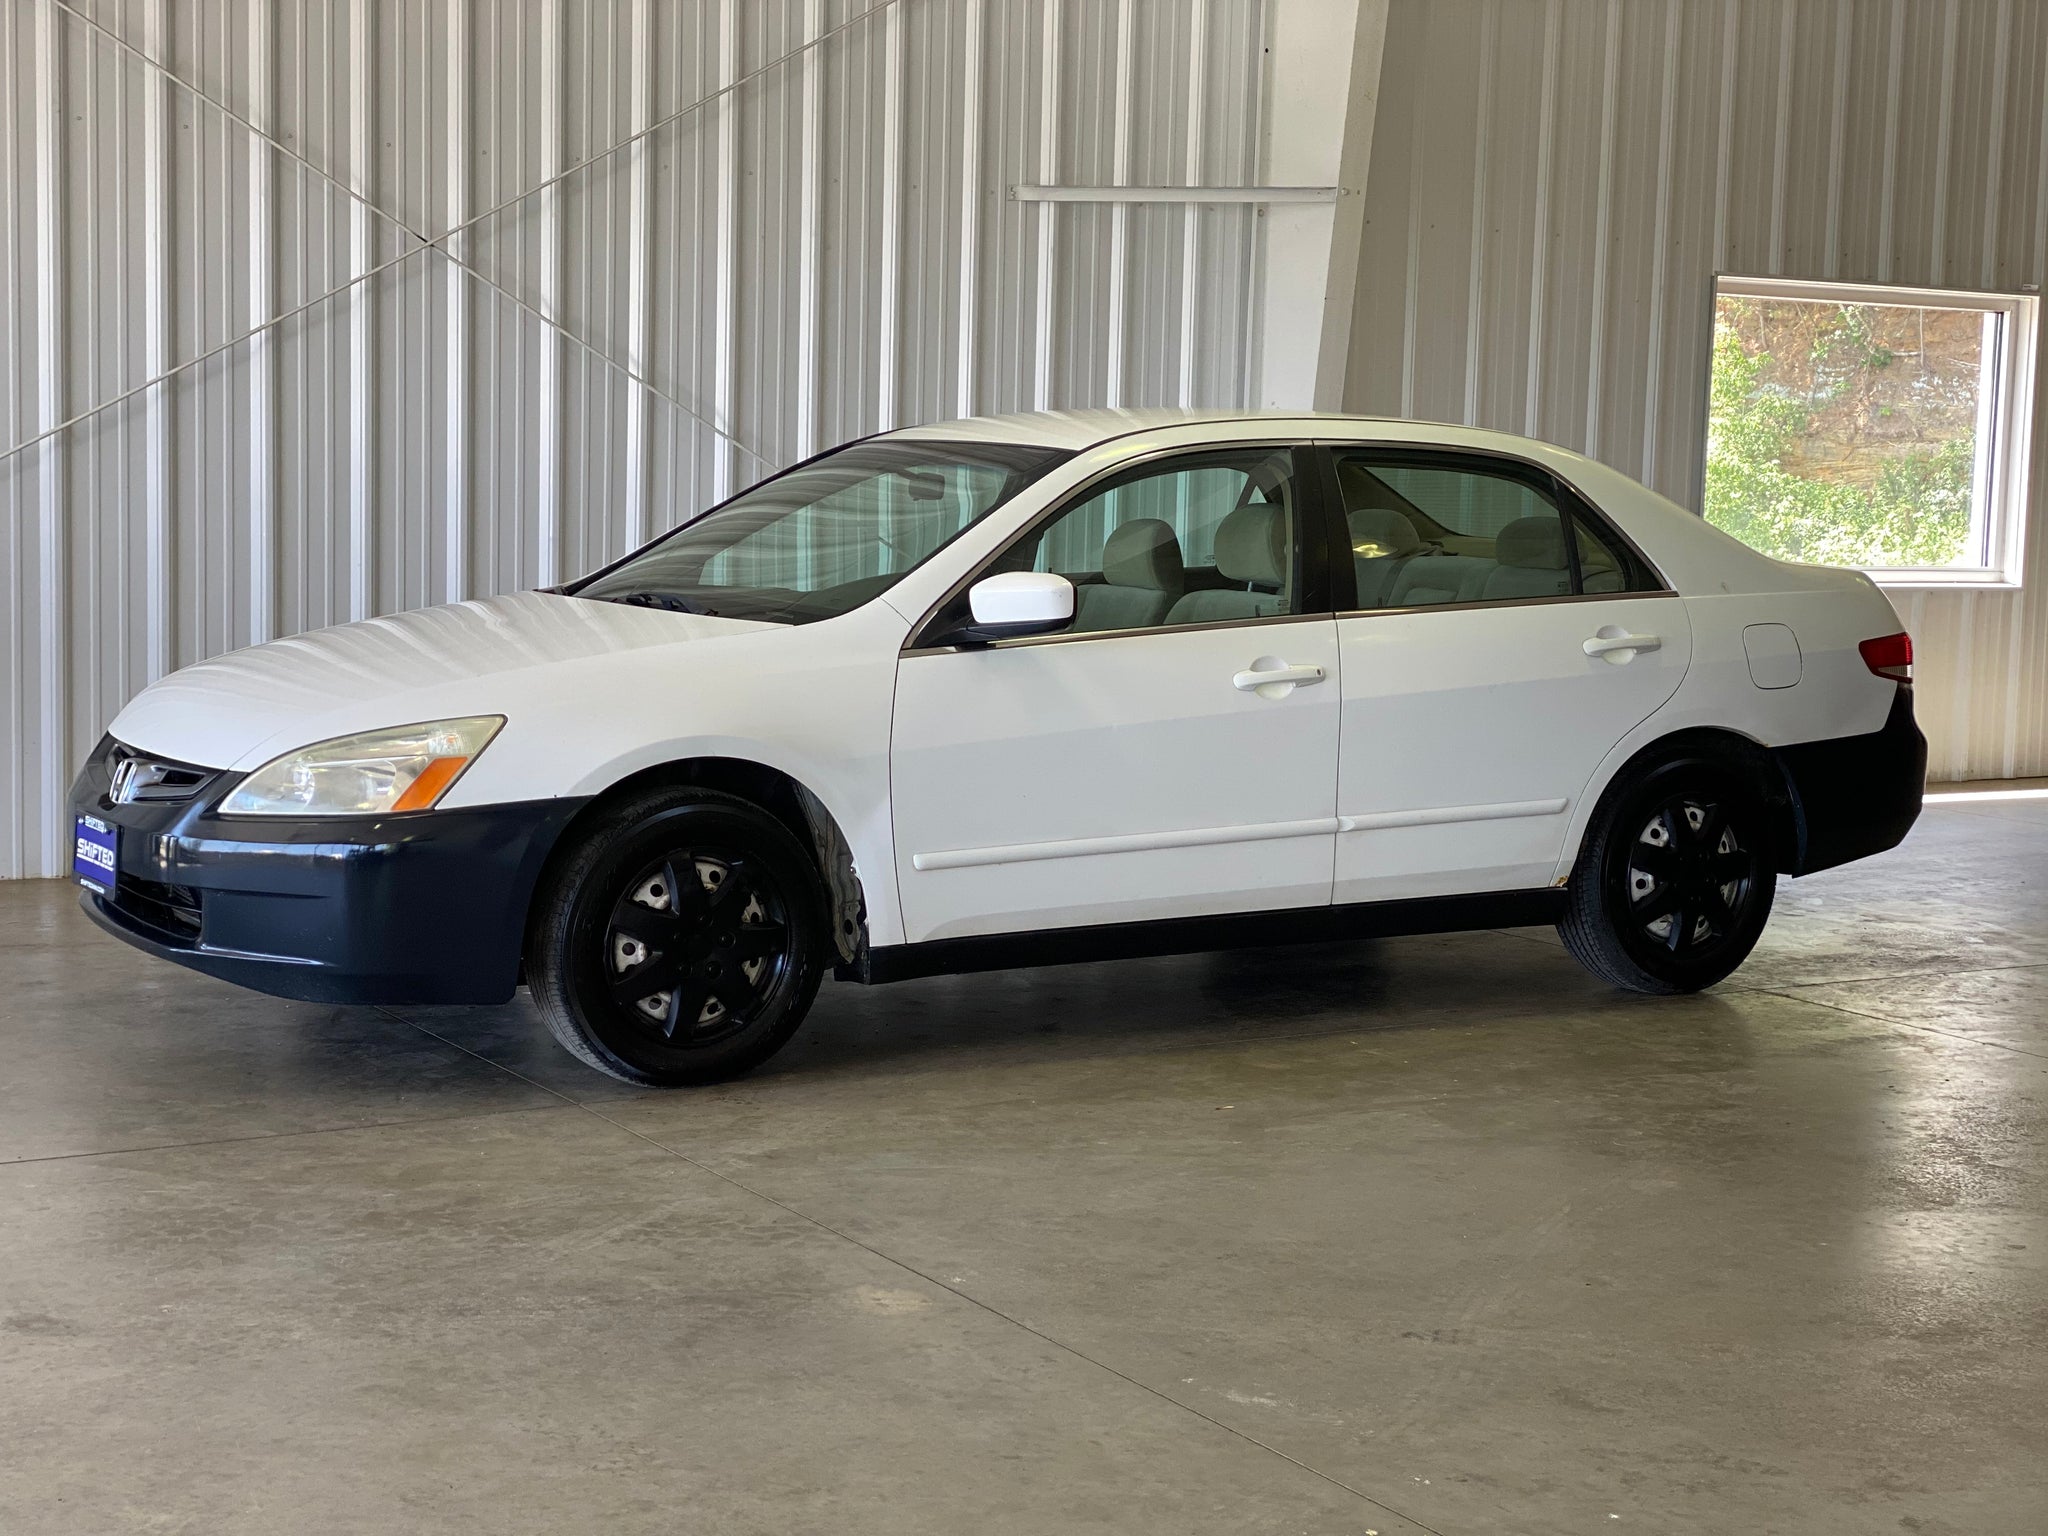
1425, 533
1606, 564
1429, 530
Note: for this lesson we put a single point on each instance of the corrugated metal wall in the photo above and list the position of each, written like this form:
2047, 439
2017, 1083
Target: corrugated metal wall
671, 219
1553, 186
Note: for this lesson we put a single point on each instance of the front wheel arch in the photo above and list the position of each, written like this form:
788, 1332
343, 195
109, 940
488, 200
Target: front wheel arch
801, 812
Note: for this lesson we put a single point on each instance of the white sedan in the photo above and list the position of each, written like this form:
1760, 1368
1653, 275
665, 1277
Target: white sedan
1023, 690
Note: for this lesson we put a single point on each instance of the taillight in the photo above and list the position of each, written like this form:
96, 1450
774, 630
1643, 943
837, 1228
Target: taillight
1889, 656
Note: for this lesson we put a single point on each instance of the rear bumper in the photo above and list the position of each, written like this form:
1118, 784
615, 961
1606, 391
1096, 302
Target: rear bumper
422, 908
1855, 795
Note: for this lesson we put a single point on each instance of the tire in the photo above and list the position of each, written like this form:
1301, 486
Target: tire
1646, 911
678, 940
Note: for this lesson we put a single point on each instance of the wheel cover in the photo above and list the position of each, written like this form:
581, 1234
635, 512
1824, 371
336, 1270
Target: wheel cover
694, 946
1688, 880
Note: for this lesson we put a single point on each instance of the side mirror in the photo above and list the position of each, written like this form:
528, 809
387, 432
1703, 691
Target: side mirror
1014, 603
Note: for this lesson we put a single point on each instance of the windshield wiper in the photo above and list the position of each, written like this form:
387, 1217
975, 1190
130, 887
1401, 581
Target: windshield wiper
669, 602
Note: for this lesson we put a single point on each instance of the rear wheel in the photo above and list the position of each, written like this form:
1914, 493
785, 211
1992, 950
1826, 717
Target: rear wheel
678, 942
1675, 884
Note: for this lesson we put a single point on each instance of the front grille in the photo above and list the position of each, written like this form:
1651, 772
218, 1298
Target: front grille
134, 778
171, 909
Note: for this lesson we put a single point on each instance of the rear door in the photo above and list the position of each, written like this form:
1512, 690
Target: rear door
1504, 638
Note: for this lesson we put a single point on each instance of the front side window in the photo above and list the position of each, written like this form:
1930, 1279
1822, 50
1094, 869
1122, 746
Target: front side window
826, 537
1882, 428
1199, 540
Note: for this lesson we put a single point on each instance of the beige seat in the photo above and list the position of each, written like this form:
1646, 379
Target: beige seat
1252, 546
1142, 577
1430, 579
1382, 542
1529, 561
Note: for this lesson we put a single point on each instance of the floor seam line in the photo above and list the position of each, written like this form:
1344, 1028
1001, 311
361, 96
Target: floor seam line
1017, 1323
1856, 981
1926, 1029
317, 1130
1735, 984
456, 1045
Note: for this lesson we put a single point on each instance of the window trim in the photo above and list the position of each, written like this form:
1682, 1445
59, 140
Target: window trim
2012, 417
1316, 575
1571, 503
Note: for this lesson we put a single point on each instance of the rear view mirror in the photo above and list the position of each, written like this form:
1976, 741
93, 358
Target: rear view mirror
1014, 603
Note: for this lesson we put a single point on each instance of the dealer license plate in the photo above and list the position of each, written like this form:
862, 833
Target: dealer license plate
92, 853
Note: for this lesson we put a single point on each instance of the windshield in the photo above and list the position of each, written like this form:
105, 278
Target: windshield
824, 538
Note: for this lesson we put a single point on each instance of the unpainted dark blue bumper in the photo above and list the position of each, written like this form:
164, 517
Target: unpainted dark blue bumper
1853, 796
428, 907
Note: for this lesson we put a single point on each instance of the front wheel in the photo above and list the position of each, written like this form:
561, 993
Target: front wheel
678, 941
1675, 884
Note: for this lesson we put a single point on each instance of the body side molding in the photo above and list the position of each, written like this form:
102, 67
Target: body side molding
1132, 842
1435, 816
1256, 832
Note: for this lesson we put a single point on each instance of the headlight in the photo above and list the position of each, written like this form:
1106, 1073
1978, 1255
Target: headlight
407, 768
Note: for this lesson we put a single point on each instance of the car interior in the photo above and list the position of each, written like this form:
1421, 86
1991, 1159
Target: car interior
1214, 540
1421, 535
1481, 538
1236, 562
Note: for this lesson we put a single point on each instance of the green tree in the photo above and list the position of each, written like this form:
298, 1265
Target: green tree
1827, 444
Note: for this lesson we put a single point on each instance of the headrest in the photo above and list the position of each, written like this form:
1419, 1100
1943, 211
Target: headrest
1531, 544
1251, 545
1377, 532
1143, 553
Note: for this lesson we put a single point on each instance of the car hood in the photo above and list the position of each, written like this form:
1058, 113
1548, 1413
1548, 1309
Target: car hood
242, 708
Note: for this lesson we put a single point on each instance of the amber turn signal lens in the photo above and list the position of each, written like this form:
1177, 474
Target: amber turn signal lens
1889, 656
426, 789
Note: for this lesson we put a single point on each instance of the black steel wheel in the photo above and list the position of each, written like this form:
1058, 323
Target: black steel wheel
679, 941
1675, 885
694, 946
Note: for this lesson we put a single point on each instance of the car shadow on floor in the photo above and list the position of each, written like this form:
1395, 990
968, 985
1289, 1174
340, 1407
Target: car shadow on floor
1495, 986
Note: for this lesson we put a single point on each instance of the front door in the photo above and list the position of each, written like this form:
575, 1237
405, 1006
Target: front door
1133, 767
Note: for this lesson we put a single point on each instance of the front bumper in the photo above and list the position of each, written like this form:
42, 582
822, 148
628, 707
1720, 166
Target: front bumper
1855, 795
428, 907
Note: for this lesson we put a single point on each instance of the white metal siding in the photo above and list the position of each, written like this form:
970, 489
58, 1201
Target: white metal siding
826, 249
1554, 185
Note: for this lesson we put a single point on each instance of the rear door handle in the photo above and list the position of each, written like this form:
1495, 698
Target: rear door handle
1612, 642
1271, 678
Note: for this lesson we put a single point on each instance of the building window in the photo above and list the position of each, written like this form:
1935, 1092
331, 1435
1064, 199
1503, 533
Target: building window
1884, 428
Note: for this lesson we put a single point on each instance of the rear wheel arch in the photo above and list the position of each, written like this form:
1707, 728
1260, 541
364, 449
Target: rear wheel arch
1756, 768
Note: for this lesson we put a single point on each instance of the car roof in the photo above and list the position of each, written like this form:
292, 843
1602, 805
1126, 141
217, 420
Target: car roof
1077, 430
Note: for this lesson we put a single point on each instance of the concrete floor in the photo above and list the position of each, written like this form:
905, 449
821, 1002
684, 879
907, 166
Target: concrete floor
1426, 1235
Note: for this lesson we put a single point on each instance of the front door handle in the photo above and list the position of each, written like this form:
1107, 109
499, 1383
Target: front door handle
1618, 645
1271, 678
